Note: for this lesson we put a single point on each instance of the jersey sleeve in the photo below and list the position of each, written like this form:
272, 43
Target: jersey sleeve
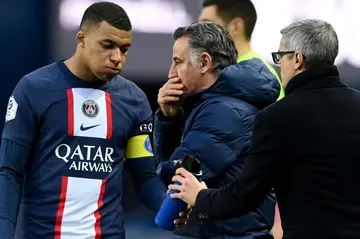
139, 140
13, 157
20, 120
140, 158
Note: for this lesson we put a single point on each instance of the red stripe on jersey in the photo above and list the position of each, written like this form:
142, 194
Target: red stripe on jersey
70, 98
61, 206
109, 116
97, 212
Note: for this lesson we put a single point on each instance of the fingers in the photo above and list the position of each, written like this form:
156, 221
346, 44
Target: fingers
180, 222
168, 99
178, 178
173, 83
177, 195
173, 86
203, 184
183, 181
184, 173
183, 214
174, 187
173, 80
171, 91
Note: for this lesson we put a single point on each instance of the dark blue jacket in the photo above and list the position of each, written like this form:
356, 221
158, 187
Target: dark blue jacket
217, 124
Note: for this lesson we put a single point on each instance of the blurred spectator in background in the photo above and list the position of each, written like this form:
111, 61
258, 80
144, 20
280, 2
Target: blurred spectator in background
306, 146
239, 17
69, 126
207, 107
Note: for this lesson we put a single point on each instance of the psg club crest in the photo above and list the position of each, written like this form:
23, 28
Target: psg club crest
147, 145
90, 108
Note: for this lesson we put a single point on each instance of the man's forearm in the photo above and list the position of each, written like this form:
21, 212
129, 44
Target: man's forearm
9, 203
167, 135
219, 207
12, 166
152, 193
148, 186
238, 198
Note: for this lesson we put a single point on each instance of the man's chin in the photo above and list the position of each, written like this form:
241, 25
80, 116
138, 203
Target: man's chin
188, 94
107, 77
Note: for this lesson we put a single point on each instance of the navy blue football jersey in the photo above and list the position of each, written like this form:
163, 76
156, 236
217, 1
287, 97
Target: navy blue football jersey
79, 134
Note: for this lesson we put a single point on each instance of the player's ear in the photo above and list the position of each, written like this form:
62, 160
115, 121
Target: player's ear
236, 27
80, 38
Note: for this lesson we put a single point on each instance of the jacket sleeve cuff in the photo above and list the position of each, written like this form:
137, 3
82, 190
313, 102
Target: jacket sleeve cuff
178, 118
202, 205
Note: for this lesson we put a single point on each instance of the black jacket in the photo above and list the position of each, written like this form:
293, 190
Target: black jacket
307, 147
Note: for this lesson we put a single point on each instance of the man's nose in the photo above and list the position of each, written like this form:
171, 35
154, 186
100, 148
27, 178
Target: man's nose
116, 56
172, 72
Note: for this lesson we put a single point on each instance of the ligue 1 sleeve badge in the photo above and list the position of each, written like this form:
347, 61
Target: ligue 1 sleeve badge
147, 145
11, 109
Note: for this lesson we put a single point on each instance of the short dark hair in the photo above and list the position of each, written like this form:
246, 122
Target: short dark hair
229, 9
211, 38
110, 12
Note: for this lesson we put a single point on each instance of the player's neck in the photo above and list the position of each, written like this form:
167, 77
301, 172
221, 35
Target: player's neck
78, 68
243, 46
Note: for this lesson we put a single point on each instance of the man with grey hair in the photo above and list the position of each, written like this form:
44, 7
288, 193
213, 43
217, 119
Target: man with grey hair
207, 107
306, 146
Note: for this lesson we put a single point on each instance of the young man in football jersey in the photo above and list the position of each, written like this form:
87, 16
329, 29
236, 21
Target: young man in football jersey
69, 127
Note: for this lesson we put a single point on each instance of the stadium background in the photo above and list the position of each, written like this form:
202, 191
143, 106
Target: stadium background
38, 32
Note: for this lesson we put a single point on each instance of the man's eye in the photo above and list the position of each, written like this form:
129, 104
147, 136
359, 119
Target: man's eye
108, 46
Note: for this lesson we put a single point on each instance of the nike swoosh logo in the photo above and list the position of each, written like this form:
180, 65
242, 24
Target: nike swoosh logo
82, 128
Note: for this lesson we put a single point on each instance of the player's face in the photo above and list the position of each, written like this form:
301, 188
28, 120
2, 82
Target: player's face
182, 68
210, 14
105, 50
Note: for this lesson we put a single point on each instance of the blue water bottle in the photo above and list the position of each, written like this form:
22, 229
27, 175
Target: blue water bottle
171, 207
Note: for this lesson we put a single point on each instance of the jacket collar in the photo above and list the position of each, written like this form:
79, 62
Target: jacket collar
315, 78
190, 102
